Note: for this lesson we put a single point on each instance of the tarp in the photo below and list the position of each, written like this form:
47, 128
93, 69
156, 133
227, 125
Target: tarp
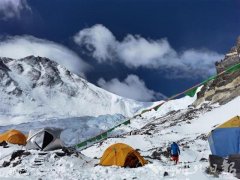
191, 92
230, 164
225, 139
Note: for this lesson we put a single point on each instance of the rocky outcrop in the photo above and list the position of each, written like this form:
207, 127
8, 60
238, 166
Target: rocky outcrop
226, 86
238, 45
231, 58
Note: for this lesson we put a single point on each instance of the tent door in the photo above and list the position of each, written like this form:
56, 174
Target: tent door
132, 161
47, 139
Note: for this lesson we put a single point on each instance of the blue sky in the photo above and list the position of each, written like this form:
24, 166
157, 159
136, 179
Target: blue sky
135, 48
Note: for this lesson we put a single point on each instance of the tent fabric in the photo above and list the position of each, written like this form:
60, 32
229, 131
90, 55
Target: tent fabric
44, 139
226, 164
191, 92
216, 162
14, 137
229, 133
120, 154
234, 122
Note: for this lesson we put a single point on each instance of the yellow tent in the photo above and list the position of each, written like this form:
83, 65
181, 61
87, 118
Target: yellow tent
13, 137
122, 155
234, 122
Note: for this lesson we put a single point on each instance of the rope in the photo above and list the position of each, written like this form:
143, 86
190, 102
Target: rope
232, 69
104, 134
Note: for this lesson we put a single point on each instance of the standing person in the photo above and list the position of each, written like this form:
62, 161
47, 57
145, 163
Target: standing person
175, 152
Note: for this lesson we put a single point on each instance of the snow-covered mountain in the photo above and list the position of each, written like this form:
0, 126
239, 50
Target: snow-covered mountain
36, 87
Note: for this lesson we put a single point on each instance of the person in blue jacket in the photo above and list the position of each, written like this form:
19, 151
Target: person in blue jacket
175, 152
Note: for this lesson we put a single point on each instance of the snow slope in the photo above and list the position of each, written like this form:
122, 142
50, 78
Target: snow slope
36, 88
151, 133
75, 129
173, 126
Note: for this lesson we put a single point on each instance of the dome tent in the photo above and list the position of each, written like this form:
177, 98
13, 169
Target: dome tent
224, 140
14, 137
120, 154
44, 139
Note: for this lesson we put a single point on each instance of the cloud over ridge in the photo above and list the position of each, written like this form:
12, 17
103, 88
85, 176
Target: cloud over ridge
21, 46
131, 87
135, 51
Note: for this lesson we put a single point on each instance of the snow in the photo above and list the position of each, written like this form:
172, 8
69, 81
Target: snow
84, 167
37, 88
75, 129
208, 121
172, 105
188, 133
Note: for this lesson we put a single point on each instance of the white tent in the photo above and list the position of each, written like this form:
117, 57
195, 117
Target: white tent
44, 139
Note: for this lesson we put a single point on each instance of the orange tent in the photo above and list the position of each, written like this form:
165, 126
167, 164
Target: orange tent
122, 155
13, 137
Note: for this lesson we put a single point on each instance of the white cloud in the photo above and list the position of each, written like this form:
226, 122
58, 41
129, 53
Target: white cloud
21, 46
98, 40
131, 87
136, 51
12, 8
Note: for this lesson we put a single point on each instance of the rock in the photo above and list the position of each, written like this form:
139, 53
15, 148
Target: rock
148, 133
22, 171
3, 66
226, 86
203, 160
4, 143
238, 44
69, 151
5, 164
156, 155
16, 163
16, 154
165, 174
26, 153
202, 137
166, 153
61, 154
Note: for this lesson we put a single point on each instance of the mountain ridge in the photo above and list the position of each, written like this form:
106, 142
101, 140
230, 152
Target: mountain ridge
41, 87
